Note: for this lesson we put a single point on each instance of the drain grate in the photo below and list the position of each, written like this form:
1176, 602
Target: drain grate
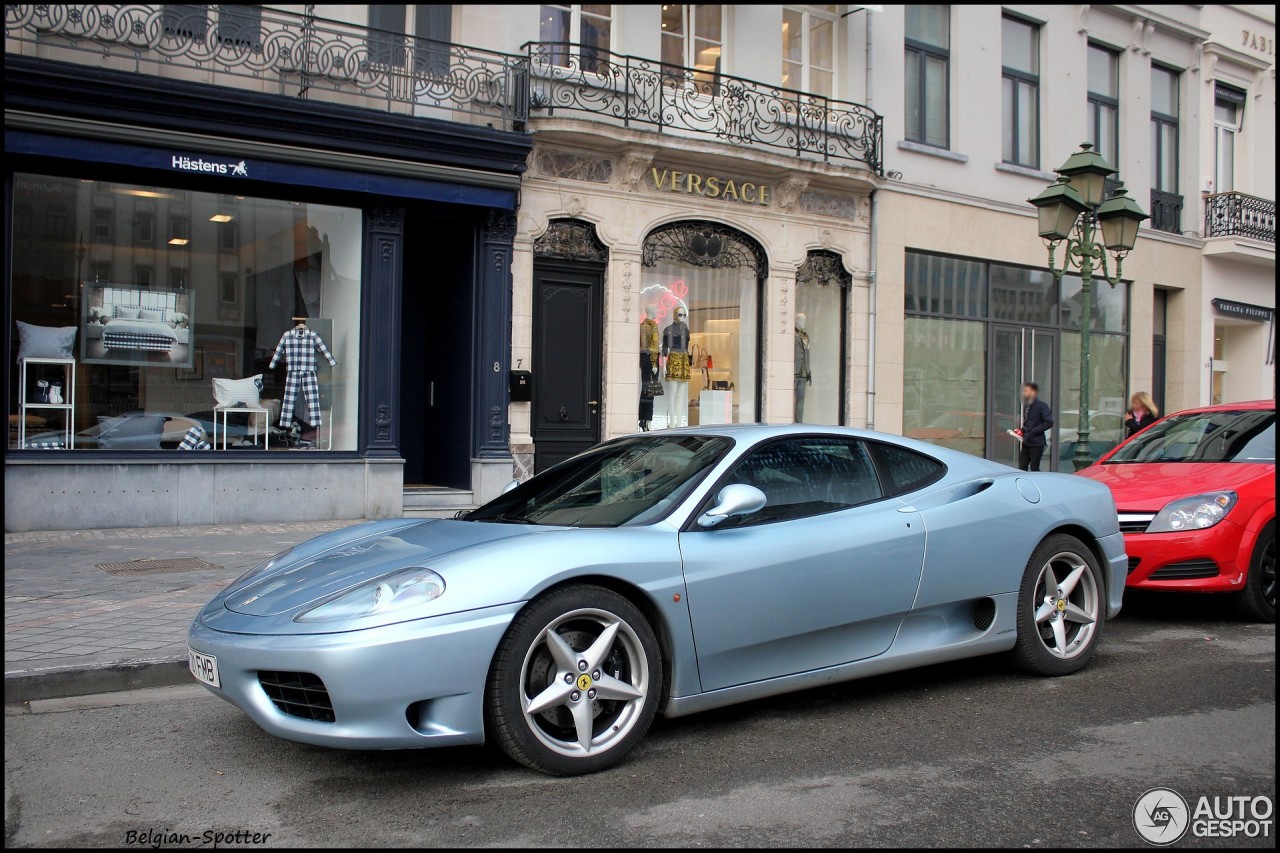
134, 568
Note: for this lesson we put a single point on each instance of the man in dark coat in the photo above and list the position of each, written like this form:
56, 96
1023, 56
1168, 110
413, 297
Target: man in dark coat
1036, 422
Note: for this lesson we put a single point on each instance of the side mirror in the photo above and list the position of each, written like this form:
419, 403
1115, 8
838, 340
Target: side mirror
509, 486
734, 499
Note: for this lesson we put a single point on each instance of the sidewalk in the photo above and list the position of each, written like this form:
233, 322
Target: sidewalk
71, 627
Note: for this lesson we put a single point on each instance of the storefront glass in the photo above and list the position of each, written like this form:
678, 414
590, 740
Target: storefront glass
822, 287
157, 315
1108, 372
945, 383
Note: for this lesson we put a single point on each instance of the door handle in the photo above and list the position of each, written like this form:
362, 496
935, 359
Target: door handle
593, 402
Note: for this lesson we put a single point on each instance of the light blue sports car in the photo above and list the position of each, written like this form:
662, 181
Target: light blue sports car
670, 572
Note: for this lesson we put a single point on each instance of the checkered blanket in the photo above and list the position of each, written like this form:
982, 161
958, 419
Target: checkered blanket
195, 439
47, 444
139, 341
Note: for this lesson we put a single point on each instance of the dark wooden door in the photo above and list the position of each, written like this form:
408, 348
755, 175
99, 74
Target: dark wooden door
567, 341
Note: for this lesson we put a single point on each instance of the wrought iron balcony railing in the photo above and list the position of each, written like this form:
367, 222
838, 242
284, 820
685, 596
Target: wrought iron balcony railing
642, 92
1166, 211
280, 52
1240, 215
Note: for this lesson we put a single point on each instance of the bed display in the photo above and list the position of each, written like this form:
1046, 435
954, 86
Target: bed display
137, 326
150, 335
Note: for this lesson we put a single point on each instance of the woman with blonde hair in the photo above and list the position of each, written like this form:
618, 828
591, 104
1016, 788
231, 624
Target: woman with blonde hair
1142, 413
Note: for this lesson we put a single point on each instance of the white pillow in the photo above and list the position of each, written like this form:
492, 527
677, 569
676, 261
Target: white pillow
124, 312
228, 392
45, 341
155, 315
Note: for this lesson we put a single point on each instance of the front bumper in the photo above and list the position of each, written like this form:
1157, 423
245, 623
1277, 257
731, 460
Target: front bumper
414, 684
1156, 559
1116, 566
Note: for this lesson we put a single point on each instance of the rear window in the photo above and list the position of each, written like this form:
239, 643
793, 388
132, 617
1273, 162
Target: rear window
903, 470
1231, 436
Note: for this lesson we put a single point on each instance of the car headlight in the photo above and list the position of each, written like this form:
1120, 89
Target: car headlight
269, 563
387, 594
1194, 513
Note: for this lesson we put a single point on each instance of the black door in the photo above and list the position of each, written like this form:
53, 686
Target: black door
1158, 362
436, 369
567, 331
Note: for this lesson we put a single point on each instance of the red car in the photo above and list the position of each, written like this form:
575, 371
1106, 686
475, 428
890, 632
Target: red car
1196, 495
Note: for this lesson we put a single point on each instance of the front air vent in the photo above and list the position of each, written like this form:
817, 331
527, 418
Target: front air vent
298, 694
1186, 570
984, 613
1134, 562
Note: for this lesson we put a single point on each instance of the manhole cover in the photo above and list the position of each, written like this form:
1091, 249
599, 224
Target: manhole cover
157, 567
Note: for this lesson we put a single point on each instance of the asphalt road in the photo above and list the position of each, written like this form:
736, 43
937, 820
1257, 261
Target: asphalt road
966, 754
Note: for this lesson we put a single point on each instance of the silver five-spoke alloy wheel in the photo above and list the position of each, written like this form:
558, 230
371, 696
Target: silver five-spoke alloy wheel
1068, 605
584, 683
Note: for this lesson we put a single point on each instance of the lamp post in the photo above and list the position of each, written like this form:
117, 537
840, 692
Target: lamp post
1073, 211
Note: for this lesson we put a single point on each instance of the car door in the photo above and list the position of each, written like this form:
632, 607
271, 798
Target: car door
821, 576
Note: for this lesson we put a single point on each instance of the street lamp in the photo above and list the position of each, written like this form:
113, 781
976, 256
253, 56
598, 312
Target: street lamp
1073, 211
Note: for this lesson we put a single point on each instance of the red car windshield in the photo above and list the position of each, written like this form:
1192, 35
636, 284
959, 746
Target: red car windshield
1223, 436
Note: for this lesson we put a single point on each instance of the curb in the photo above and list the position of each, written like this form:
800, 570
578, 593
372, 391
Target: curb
58, 682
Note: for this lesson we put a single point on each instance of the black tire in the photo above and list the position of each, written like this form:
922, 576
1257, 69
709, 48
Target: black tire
1257, 601
1032, 650
525, 642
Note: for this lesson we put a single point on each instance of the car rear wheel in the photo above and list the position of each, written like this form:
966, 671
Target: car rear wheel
575, 683
1257, 601
1061, 607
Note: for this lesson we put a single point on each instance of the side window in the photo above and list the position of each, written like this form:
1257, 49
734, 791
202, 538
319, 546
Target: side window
905, 470
808, 476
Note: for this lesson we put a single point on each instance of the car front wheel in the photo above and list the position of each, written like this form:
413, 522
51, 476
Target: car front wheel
1257, 601
575, 682
1060, 607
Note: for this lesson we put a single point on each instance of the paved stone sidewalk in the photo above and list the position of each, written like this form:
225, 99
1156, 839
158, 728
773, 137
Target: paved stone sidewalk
61, 611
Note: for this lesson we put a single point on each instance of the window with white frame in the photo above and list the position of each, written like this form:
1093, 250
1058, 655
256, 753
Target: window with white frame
928, 74
1104, 102
576, 32
808, 49
1020, 90
1228, 112
693, 37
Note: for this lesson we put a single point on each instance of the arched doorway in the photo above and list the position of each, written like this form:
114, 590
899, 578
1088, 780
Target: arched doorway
821, 355
568, 338
703, 286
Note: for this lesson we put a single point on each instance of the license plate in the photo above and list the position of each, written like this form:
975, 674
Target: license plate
203, 667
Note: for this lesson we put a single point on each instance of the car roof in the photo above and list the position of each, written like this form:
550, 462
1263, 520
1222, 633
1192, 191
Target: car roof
1248, 405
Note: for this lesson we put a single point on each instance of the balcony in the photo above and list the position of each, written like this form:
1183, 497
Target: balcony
641, 93
275, 52
1240, 227
1166, 211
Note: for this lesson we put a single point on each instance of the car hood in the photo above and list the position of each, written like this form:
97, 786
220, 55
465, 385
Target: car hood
298, 582
1148, 486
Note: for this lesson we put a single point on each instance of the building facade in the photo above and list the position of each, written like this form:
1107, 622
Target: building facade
519, 230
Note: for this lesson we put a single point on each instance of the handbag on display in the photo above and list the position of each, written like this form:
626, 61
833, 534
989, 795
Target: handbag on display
722, 385
653, 388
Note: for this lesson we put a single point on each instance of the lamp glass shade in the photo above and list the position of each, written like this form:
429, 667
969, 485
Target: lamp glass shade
1057, 208
1120, 216
1087, 170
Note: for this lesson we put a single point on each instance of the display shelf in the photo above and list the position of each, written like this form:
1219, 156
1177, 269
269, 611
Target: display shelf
68, 368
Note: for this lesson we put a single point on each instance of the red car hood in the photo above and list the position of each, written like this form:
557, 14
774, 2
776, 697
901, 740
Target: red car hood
1148, 486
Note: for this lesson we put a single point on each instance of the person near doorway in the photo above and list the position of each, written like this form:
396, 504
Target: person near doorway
1142, 413
1036, 422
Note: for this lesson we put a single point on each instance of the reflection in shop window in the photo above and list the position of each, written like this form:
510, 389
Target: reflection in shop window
1108, 367
822, 287
147, 346
945, 383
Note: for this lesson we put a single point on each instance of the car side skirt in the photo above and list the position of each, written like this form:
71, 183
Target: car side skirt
926, 637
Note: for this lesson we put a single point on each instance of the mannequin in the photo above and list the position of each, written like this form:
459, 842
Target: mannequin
803, 370
298, 348
675, 346
649, 351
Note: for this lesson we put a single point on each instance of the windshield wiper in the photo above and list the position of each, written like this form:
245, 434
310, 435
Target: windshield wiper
508, 519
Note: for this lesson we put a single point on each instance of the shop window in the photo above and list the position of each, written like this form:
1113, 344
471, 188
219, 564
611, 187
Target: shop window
928, 74
162, 340
1022, 295
701, 288
944, 376
808, 48
937, 284
576, 32
1110, 305
1108, 393
822, 295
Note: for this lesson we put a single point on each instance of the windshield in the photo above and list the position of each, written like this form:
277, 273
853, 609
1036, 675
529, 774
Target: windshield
631, 481
1244, 436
